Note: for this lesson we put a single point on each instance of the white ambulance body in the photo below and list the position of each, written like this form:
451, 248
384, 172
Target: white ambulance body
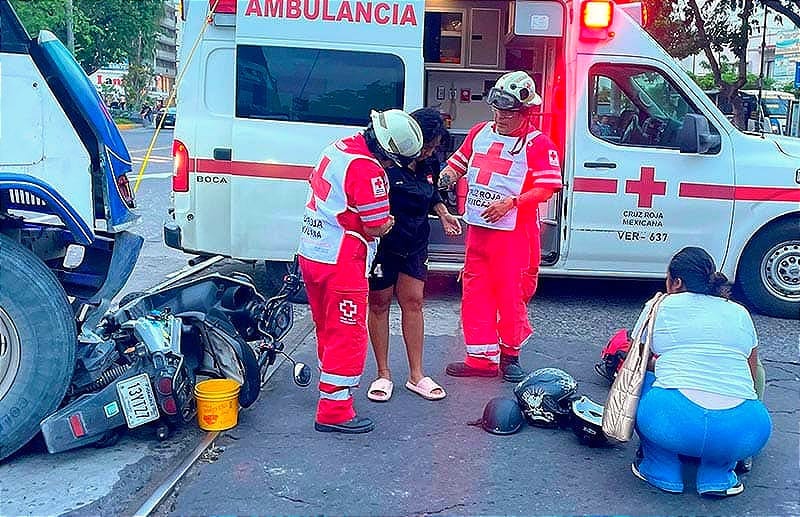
650, 165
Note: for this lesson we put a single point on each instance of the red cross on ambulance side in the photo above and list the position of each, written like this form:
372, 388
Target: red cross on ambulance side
646, 187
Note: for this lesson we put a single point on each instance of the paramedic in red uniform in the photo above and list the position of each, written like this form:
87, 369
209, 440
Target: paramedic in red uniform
348, 209
510, 168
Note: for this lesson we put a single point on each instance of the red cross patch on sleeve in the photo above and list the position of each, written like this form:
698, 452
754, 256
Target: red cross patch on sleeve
378, 187
552, 156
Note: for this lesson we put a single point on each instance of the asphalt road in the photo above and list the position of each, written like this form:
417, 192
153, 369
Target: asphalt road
422, 458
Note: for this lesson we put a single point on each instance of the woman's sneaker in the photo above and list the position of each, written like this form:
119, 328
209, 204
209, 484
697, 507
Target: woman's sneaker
736, 489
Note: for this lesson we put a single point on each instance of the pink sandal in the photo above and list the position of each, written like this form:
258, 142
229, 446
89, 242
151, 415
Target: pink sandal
425, 388
380, 390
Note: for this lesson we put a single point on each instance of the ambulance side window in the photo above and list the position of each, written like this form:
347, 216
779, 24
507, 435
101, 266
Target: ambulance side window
631, 105
316, 85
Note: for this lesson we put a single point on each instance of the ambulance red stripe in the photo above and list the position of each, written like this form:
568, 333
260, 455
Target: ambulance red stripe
737, 193
595, 185
254, 169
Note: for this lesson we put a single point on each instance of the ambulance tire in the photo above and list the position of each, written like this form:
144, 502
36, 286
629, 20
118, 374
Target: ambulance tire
762, 298
38, 338
275, 271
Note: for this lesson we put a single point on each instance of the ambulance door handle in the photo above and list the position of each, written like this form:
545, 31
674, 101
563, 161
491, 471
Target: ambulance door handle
600, 165
221, 153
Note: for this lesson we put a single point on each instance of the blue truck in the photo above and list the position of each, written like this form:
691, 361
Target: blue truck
72, 366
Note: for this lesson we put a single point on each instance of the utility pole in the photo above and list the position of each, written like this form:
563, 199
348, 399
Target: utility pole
70, 32
761, 72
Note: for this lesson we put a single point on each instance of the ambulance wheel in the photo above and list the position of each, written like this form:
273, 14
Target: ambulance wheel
769, 272
275, 271
37, 345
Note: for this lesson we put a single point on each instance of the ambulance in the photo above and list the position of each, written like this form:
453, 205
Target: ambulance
650, 165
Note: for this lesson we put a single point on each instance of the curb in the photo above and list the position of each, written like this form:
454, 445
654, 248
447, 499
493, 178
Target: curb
125, 127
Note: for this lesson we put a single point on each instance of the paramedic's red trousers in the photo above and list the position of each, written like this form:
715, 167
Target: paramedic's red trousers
493, 311
337, 294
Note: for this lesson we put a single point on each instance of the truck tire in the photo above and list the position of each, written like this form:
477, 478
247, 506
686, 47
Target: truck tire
37, 345
769, 270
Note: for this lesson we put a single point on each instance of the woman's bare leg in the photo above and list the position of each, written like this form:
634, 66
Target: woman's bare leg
378, 324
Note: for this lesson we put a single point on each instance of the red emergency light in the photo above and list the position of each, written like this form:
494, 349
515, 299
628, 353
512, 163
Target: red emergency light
222, 6
597, 15
180, 167
596, 19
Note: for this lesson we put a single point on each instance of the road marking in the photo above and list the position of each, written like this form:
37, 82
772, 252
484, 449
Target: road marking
153, 159
154, 149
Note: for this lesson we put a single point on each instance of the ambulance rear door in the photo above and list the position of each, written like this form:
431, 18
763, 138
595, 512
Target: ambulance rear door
636, 199
308, 72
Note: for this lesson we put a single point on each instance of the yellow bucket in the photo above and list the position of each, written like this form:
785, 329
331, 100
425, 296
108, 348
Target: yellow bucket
217, 404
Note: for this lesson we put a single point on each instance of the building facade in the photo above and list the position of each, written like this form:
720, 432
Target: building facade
165, 54
781, 50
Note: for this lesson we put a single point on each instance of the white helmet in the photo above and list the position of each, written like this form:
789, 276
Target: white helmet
514, 91
397, 133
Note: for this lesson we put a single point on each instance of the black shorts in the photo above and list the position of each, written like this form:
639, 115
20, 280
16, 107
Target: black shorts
388, 265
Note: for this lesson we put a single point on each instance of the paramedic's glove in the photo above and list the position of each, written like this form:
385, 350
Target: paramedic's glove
446, 180
497, 210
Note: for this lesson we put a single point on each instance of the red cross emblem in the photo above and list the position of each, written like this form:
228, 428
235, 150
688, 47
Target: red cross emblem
491, 163
320, 187
348, 308
646, 187
552, 156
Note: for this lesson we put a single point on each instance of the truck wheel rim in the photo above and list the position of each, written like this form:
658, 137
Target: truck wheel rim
10, 352
780, 271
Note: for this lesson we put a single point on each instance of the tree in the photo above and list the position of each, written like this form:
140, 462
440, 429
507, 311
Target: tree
712, 27
787, 8
107, 31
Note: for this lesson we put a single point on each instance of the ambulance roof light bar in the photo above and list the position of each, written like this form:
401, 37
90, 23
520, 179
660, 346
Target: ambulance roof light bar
596, 19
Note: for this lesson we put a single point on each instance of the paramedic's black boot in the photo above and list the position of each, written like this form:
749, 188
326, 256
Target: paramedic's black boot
356, 425
511, 369
464, 370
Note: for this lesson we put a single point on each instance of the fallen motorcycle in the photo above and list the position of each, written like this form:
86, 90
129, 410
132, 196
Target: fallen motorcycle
140, 363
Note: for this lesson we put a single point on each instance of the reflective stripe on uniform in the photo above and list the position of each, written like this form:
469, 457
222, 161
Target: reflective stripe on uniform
483, 349
342, 394
373, 206
376, 217
339, 380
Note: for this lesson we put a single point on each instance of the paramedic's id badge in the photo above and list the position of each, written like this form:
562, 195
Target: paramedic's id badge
378, 187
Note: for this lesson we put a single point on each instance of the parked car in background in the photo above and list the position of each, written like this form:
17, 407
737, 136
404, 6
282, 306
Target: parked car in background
168, 114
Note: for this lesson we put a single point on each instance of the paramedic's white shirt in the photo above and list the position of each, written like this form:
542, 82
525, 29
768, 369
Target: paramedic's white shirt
703, 343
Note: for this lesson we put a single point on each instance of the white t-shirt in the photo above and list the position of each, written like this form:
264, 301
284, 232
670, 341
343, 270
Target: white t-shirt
703, 343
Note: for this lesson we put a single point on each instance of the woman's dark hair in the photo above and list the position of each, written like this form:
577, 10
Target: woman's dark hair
431, 123
699, 273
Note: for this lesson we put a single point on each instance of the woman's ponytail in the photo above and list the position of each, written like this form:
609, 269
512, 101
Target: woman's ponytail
719, 285
699, 274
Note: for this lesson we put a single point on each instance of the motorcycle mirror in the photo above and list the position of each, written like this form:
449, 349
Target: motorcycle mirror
302, 375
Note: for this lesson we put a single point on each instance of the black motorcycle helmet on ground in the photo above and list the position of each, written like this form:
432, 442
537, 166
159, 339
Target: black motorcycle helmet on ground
502, 416
545, 396
587, 422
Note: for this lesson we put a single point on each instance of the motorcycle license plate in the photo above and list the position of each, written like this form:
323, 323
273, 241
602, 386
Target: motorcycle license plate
138, 402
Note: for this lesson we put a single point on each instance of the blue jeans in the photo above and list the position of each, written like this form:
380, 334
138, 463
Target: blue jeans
669, 424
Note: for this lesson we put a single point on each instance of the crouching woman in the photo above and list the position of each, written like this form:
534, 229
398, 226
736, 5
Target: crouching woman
701, 400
